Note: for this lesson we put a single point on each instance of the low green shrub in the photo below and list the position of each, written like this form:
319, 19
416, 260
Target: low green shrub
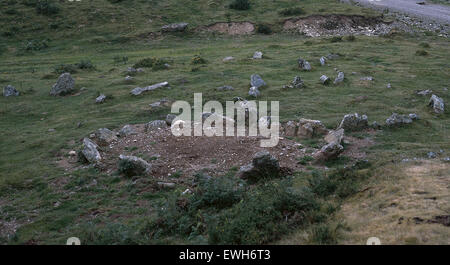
421, 53
292, 11
47, 7
240, 5
197, 59
263, 29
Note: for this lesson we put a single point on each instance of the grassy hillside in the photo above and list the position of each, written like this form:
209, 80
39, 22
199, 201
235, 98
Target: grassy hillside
47, 204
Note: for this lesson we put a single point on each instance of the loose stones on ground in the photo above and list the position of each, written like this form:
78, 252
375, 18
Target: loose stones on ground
127, 130
354, 122
10, 91
339, 78
106, 136
100, 99
258, 55
90, 151
254, 92
175, 27
325, 80
304, 65
296, 83
397, 119
155, 125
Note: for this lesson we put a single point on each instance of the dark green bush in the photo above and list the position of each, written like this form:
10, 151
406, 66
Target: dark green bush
127, 168
336, 39
421, 53
351, 38
424, 45
46, 7
154, 63
85, 65
263, 29
292, 11
263, 215
218, 192
35, 45
240, 5
197, 59
120, 59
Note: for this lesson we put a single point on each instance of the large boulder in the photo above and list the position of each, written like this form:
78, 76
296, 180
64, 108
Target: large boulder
263, 165
63, 86
89, 151
175, 27
397, 119
257, 81
133, 166
105, 136
10, 91
437, 103
354, 122
328, 151
304, 65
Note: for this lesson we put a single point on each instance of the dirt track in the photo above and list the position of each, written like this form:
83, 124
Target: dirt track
428, 11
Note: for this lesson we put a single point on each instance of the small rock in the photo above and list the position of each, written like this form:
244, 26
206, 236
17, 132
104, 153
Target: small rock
254, 92
388, 85
155, 125
304, 65
166, 185
257, 81
397, 119
328, 151
413, 116
335, 136
175, 27
322, 60
225, 88
332, 56
366, 78
227, 59
10, 91
437, 103
431, 155
325, 80
72, 153
139, 90
169, 118
89, 151
100, 99
127, 130
106, 136
339, 78
128, 78
135, 165
424, 92
258, 55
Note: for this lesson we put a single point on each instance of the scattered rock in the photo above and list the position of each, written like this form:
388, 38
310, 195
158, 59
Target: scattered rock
128, 78
72, 153
139, 90
413, 116
354, 122
225, 88
388, 85
366, 78
424, 92
437, 103
375, 125
100, 99
304, 65
258, 55
397, 119
263, 165
333, 56
127, 130
169, 118
155, 125
166, 185
254, 92
227, 59
296, 83
310, 128
131, 70
322, 61
134, 165
328, 151
64, 85
339, 78
90, 151
290, 129
325, 80
257, 81
431, 155
175, 27
10, 91
106, 136
335, 136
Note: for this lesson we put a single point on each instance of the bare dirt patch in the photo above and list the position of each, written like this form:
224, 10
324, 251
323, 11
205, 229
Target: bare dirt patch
337, 25
231, 28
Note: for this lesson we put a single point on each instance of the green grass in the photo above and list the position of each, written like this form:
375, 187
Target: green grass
50, 204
